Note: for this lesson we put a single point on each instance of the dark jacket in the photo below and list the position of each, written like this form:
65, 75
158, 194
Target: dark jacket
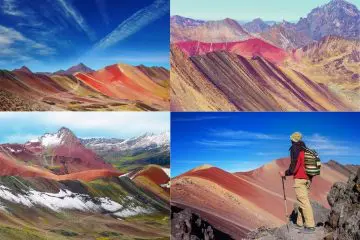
295, 150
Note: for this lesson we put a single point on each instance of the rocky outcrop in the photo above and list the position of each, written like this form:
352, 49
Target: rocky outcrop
288, 231
338, 17
344, 199
186, 225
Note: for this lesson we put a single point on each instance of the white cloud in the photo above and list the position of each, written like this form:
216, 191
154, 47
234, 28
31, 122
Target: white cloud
15, 47
223, 144
10, 7
91, 124
330, 147
73, 15
240, 134
270, 153
197, 118
134, 23
19, 138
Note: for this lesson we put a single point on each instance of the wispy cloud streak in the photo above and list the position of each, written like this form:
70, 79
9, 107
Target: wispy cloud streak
134, 23
223, 144
9, 7
16, 48
329, 147
240, 134
72, 14
102, 9
197, 119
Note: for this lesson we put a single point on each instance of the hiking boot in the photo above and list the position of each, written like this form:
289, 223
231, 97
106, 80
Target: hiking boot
309, 230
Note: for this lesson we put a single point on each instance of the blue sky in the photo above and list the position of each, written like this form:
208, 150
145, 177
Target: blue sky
245, 141
48, 35
19, 127
275, 10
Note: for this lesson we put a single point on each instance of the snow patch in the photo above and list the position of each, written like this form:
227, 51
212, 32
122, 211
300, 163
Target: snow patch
166, 185
167, 171
125, 175
66, 199
50, 140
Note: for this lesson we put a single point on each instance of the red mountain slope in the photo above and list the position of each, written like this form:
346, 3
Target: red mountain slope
239, 202
154, 179
126, 82
155, 174
10, 167
248, 48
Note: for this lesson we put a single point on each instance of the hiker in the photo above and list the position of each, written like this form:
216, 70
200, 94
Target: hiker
305, 218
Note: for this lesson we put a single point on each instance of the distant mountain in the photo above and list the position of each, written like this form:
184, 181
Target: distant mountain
63, 136
61, 153
286, 36
134, 152
23, 69
226, 30
74, 69
256, 26
177, 20
344, 169
239, 202
144, 142
338, 17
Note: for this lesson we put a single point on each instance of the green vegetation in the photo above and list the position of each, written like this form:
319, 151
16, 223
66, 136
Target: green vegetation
131, 162
64, 232
10, 233
101, 188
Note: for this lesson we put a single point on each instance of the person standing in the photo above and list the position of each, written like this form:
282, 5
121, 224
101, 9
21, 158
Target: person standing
305, 217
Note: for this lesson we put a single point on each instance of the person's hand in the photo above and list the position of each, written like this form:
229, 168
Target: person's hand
282, 173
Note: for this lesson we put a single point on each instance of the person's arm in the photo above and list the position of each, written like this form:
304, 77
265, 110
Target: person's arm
293, 164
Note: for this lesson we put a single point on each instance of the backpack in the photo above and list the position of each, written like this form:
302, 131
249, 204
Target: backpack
312, 162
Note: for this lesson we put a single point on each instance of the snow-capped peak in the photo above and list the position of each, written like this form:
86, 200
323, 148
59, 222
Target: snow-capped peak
145, 141
53, 139
149, 139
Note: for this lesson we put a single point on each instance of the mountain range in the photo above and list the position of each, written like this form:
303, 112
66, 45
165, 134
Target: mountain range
237, 203
129, 154
315, 60
48, 185
114, 88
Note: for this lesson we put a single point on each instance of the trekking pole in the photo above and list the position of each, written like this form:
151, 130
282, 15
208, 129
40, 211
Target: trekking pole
286, 211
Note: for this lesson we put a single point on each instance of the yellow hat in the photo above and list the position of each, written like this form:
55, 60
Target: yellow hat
296, 136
